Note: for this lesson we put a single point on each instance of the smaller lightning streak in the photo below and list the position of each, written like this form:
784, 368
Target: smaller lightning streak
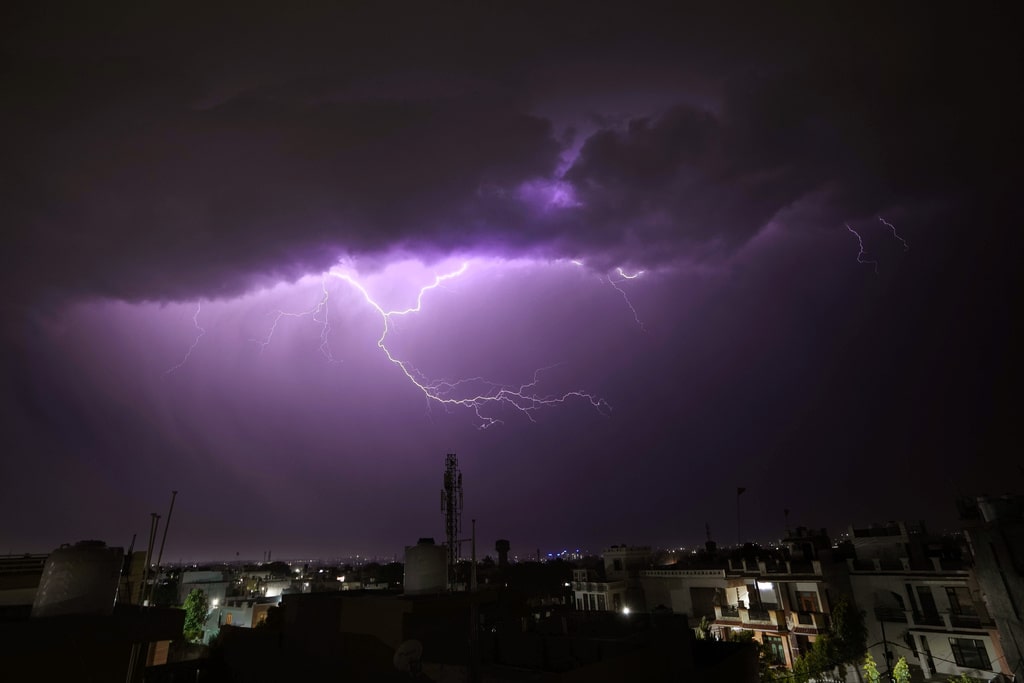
318, 309
906, 245
626, 276
860, 254
200, 332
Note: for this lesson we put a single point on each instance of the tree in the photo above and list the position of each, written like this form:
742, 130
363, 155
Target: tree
962, 678
704, 629
818, 662
197, 606
871, 674
901, 672
849, 634
766, 669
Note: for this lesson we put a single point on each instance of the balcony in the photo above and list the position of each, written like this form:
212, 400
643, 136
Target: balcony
758, 615
928, 619
727, 611
807, 621
966, 621
891, 614
756, 618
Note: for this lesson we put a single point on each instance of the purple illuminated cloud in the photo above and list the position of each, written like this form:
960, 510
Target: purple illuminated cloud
216, 224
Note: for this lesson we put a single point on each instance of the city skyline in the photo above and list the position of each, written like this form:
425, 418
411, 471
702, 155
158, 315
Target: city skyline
623, 263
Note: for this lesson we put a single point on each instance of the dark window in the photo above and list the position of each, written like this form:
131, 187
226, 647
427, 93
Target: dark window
954, 600
616, 602
600, 602
929, 612
773, 646
970, 654
960, 601
617, 565
808, 601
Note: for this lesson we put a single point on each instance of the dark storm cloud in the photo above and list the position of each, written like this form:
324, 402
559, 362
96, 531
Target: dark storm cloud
178, 155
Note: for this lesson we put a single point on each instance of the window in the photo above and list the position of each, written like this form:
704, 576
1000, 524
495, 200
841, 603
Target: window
970, 654
600, 602
227, 618
617, 565
579, 604
960, 601
808, 601
773, 646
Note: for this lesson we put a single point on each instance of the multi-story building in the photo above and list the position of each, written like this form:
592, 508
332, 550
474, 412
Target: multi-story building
594, 594
994, 528
922, 603
785, 603
620, 590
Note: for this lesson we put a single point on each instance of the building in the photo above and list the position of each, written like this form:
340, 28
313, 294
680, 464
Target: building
19, 578
922, 602
213, 583
620, 589
994, 529
785, 603
78, 622
593, 594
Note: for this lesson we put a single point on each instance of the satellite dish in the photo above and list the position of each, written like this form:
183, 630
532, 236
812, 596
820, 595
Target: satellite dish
407, 656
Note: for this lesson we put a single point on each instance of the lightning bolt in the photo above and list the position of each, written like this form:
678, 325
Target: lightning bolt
479, 393
906, 245
200, 332
626, 276
319, 309
861, 253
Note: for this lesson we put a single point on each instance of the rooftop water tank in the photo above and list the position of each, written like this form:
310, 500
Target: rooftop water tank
426, 568
79, 579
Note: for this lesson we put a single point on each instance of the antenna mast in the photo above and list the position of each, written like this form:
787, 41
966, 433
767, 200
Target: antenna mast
451, 506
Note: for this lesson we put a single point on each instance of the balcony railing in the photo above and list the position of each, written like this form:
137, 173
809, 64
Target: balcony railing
891, 614
807, 620
966, 621
928, 619
759, 615
729, 611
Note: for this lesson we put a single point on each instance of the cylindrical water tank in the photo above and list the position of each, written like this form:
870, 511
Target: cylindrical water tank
79, 579
426, 568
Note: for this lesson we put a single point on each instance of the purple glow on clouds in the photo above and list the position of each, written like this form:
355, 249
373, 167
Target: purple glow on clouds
175, 314
397, 292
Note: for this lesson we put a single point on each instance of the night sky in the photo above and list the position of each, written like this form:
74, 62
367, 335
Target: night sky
211, 216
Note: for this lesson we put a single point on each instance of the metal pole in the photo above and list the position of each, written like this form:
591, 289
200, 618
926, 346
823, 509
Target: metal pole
160, 555
472, 573
153, 526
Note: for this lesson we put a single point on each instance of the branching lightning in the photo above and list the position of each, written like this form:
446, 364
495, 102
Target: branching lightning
861, 254
615, 283
195, 342
906, 245
475, 393
320, 309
